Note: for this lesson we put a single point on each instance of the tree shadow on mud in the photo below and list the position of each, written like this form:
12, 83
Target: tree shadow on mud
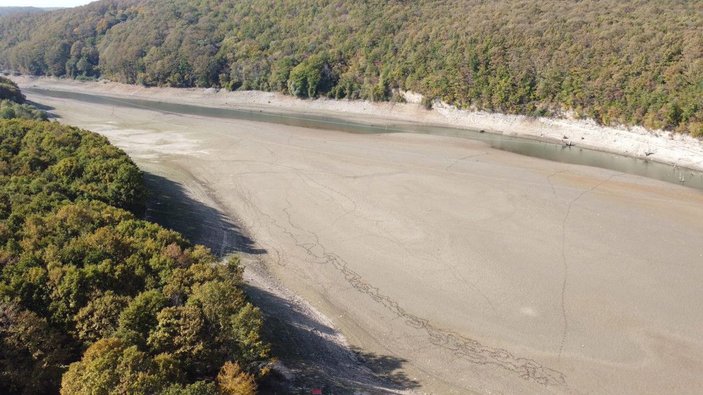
40, 106
170, 205
387, 368
306, 347
316, 359
43, 107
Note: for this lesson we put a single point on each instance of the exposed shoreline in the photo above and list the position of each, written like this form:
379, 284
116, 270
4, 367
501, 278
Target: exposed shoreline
660, 146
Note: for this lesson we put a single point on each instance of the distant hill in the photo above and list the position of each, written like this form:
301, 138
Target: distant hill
23, 10
619, 62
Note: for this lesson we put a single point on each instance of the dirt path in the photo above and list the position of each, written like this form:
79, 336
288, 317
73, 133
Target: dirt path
455, 268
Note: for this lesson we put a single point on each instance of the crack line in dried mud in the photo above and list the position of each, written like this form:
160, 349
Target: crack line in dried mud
565, 276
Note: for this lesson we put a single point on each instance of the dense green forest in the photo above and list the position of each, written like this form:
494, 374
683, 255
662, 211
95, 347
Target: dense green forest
94, 300
632, 62
12, 103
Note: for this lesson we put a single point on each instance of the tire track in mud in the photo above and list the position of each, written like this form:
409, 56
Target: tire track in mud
460, 346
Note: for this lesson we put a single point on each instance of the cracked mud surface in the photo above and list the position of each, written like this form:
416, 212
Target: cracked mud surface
452, 267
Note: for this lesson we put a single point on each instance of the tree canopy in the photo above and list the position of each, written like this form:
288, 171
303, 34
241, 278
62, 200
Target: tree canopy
10, 91
94, 300
12, 103
617, 62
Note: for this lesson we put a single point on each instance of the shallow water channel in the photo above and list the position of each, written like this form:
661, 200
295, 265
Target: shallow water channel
518, 145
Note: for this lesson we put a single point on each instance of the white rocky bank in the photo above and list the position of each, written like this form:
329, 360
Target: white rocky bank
658, 145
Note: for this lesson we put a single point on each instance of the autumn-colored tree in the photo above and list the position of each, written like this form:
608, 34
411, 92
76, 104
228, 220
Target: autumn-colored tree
231, 380
98, 319
110, 366
32, 354
129, 306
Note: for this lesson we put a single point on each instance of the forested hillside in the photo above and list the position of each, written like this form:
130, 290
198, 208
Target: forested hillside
22, 10
632, 62
94, 300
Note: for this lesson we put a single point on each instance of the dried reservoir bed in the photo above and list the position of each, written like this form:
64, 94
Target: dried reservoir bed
461, 267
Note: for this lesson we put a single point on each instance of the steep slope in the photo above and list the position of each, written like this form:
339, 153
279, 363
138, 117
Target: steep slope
635, 62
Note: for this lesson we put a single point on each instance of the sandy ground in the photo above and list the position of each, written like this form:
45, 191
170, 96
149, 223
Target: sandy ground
661, 146
456, 268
